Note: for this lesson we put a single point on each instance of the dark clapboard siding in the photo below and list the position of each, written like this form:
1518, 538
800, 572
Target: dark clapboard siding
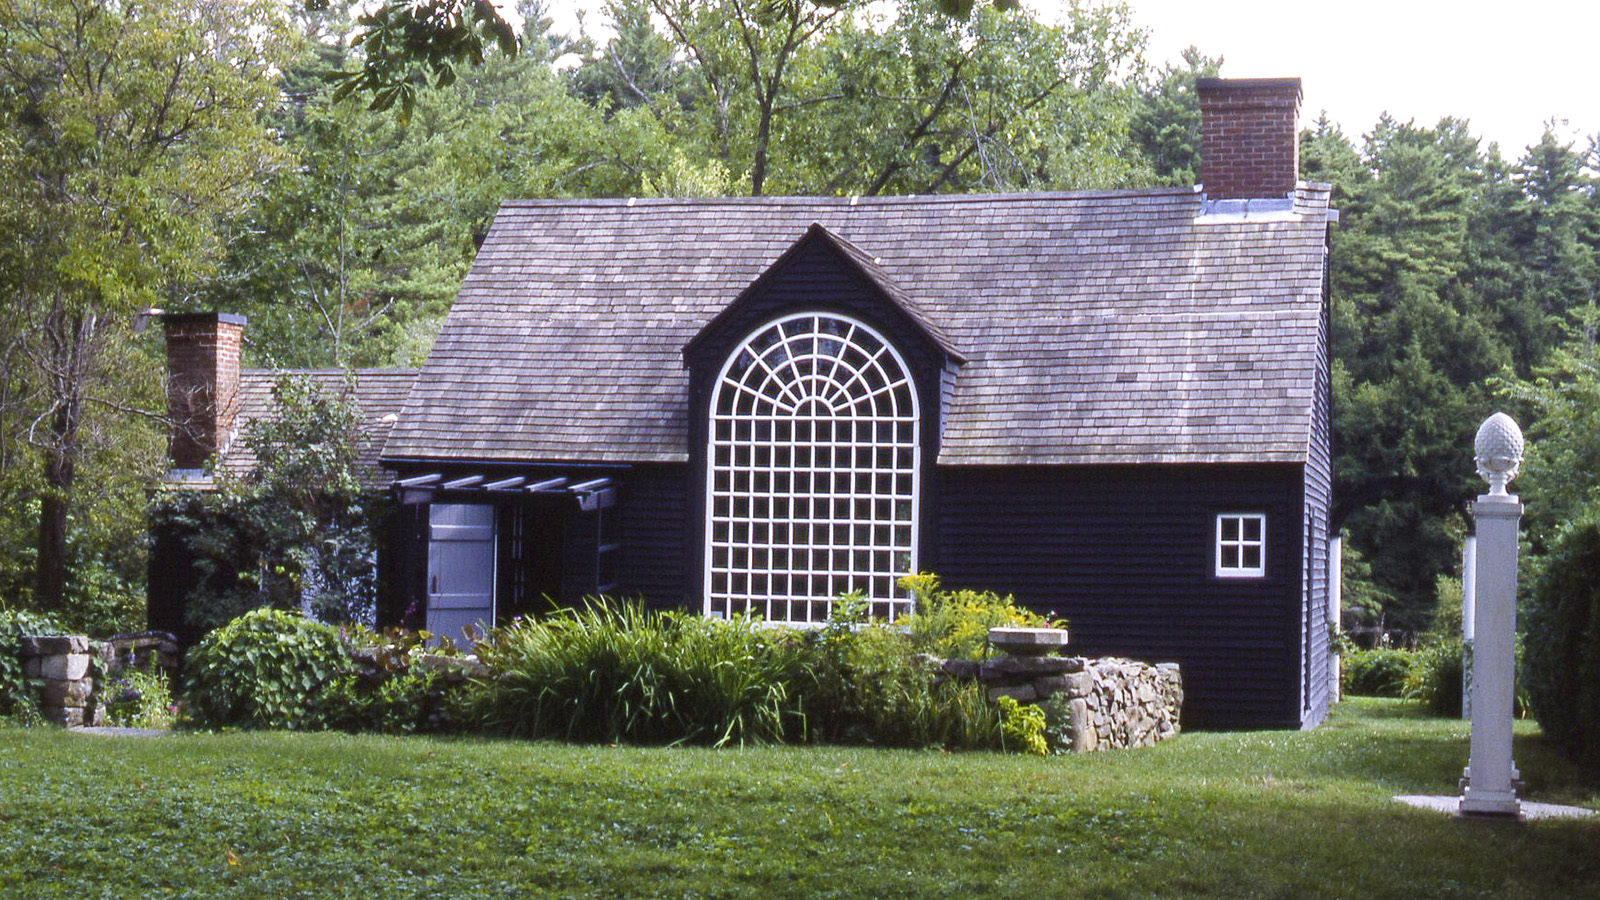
1319, 499
650, 520
1126, 554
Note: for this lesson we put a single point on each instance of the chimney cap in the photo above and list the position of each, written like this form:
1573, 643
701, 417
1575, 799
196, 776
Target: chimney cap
202, 318
1210, 85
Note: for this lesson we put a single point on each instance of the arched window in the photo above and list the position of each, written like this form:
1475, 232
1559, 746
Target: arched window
812, 473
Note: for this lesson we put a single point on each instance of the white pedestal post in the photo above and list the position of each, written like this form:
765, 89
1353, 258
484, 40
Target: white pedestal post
1490, 773
1469, 589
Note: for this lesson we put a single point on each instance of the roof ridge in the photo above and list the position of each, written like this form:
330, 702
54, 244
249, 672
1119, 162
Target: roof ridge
854, 200
274, 370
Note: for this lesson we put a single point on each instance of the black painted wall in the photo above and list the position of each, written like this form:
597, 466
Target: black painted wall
557, 557
1126, 554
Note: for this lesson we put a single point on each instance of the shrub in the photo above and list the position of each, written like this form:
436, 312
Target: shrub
298, 529
1375, 673
18, 697
265, 669
955, 624
403, 701
1435, 677
1561, 662
865, 683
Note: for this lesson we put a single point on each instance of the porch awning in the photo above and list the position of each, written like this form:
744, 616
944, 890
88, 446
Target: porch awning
592, 495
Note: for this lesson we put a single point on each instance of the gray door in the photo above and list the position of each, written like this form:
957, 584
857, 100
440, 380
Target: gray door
460, 568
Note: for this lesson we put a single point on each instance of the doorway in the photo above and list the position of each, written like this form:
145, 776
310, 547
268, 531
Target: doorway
461, 569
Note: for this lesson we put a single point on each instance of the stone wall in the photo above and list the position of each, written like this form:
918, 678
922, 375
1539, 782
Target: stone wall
66, 692
1105, 703
145, 650
65, 667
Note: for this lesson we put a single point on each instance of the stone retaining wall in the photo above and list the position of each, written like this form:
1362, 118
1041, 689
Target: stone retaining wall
65, 667
66, 692
1102, 703
145, 650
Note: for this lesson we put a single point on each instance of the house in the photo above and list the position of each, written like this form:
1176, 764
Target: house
211, 403
1113, 405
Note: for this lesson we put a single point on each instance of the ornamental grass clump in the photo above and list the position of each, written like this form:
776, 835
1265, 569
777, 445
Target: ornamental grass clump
864, 683
613, 671
616, 672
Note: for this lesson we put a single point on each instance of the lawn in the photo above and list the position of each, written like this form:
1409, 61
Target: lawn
1264, 814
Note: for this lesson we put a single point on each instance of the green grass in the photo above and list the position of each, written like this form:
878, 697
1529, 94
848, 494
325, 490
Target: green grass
1266, 814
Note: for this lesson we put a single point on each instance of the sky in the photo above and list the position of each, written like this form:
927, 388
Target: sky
1505, 67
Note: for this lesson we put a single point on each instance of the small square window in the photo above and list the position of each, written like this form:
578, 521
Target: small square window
1241, 545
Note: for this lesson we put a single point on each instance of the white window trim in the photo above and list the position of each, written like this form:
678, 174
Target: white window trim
1241, 570
782, 607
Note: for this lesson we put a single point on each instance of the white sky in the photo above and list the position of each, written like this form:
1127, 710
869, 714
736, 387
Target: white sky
1506, 67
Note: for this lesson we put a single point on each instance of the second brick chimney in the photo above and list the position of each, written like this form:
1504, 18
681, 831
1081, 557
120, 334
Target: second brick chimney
202, 383
1250, 137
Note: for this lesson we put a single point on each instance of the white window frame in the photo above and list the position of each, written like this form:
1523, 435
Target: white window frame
1241, 543
758, 563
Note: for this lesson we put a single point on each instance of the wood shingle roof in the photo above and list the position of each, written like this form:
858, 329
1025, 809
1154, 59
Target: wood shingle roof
1097, 327
379, 393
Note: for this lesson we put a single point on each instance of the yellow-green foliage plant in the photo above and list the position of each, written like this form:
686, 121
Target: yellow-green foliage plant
1022, 727
955, 624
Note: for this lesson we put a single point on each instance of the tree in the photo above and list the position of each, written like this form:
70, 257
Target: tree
135, 126
792, 98
1450, 266
635, 67
297, 530
1413, 346
742, 56
1537, 241
1166, 126
358, 242
408, 44
1562, 398
927, 103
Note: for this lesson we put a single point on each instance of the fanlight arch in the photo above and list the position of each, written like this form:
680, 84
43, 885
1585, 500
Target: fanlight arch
812, 472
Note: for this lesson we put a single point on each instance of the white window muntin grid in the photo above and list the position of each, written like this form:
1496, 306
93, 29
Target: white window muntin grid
793, 518
1241, 541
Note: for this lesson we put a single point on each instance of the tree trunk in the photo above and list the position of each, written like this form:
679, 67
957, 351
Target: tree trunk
758, 167
69, 340
50, 583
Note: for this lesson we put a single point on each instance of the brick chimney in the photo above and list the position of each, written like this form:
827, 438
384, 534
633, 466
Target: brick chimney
1249, 137
202, 383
